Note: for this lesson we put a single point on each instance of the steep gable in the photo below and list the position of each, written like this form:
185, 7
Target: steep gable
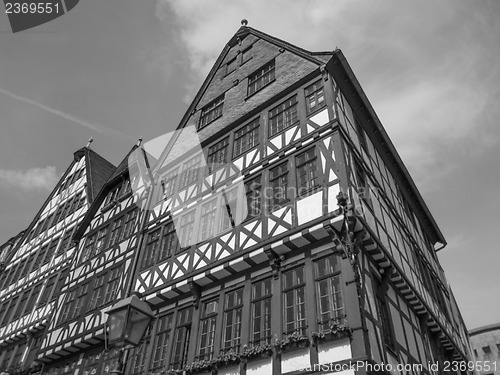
246, 52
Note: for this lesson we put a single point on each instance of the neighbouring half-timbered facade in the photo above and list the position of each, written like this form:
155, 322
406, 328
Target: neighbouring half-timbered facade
289, 239
38, 262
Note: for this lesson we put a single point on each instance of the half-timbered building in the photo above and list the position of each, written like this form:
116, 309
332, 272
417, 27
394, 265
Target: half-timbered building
308, 279
106, 240
38, 261
290, 239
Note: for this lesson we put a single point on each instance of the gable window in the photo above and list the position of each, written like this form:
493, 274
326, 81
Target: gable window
246, 137
253, 188
246, 55
217, 154
307, 171
328, 293
181, 338
283, 116
211, 111
315, 97
232, 321
207, 331
278, 179
190, 171
261, 312
261, 78
65, 241
294, 303
231, 66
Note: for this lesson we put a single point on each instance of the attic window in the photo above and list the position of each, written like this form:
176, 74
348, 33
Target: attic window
231, 66
246, 55
211, 111
261, 78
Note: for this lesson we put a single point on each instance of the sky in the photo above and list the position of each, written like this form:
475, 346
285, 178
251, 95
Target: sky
117, 70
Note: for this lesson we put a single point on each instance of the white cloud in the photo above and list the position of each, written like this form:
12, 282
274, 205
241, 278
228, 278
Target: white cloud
29, 180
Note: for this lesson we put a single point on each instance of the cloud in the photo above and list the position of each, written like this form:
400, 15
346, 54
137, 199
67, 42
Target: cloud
431, 83
32, 179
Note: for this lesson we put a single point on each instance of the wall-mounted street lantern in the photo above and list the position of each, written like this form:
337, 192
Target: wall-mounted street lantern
128, 321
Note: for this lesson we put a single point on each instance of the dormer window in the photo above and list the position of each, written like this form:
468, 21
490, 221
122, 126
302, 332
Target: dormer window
211, 111
261, 78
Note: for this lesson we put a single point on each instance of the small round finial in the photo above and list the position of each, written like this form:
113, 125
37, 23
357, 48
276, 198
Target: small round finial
89, 143
139, 141
244, 22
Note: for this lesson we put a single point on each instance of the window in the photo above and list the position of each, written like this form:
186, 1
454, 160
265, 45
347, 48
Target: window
486, 350
261, 78
211, 112
186, 229
160, 348
294, 302
101, 240
139, 357
253, 188
217, 154
88, 250
328, 292
283, 116
80, 301
246, 137
111, 197
34, 296
67, 307
231, 66
261, 313
315, 97
246, 55
168, 184
152, 246
66, 239
169, 243
51, 250
232, 321
128, 226
181, 338
112, 284
116, 231
18, 357
207, 223
10, 310
278, 179
307, 171
383, 315
22, 303
97, 293
190, 171
47, 292
207, 331
228, 209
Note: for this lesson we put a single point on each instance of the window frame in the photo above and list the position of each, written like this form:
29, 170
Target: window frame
262, 323
290, 104
332, 298
314, 93
273, 204
254, 126
211, 111
262, 77
299, 316
308, 163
